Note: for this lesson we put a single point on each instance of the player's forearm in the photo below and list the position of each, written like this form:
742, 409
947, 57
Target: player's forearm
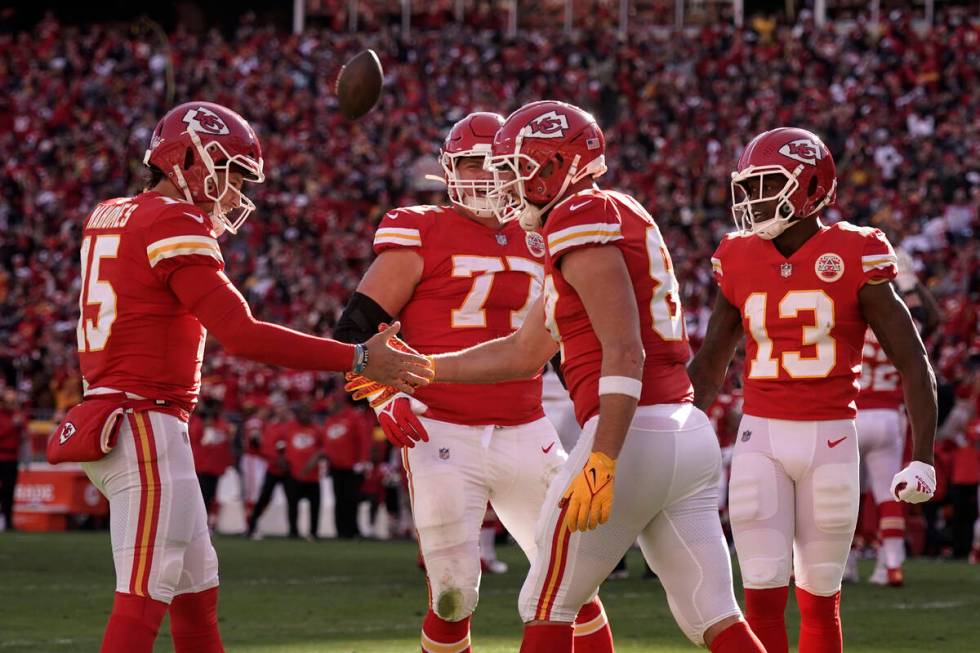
919, 386
489, 362
615, 416
707, 379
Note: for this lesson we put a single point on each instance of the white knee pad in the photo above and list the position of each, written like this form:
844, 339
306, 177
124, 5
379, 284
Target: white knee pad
200, 570
835, 498
454, 580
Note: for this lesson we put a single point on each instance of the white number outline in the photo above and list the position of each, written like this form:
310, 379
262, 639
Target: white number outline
94, 336
483, 269
817, 334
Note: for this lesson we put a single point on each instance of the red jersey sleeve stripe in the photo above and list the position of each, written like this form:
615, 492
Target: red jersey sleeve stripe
397, 236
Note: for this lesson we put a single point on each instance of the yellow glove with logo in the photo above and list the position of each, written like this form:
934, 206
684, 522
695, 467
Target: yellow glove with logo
589, 496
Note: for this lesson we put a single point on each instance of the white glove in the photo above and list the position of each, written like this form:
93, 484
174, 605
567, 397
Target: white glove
915, 484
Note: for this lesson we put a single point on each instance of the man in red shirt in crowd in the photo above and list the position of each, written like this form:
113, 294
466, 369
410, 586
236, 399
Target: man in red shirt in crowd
11, 435
272, 448
211, 439
347, 446
304, 450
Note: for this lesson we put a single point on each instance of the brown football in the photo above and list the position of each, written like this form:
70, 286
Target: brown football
359, 84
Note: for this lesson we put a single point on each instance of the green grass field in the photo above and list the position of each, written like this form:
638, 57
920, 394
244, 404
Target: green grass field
295, 596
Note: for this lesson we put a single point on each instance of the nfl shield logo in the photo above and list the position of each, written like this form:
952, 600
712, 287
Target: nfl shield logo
786, 270
444, 453
502, 239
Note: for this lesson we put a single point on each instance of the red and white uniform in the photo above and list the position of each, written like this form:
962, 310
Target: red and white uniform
477, 285
135, 336
881, 427
795, 473
667, 474
304, 443
592, 217
486, 442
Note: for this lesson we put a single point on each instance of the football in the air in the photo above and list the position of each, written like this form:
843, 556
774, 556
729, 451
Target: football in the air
359, 84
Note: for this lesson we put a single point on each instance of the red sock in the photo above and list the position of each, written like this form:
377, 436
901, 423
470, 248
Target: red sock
194, 622
891, 519
819, 623
547, 638
765, 610
737, 638
591, 629
445, 636
133, 624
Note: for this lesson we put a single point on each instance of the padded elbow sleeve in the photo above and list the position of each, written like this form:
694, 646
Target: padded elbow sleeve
360, 319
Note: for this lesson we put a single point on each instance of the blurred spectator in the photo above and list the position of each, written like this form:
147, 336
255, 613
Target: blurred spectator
347, 446
304, 451
211, 441
11, 437
272, 448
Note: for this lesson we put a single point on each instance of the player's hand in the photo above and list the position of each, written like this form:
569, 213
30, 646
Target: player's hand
589, 496
396, 411
391, 362
915, 484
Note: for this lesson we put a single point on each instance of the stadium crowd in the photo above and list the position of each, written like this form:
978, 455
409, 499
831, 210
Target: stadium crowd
897, 106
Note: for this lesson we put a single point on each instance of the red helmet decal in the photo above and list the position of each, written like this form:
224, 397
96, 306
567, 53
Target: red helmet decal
548, 125
204, 120
803, 150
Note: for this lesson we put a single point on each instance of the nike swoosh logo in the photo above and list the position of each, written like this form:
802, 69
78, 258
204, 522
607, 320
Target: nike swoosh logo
548, 448
834, 443
196, 217
575, 207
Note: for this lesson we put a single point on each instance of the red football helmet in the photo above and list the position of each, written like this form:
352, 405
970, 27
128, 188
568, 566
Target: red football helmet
195, 141
470, 137
804, 164
539, 151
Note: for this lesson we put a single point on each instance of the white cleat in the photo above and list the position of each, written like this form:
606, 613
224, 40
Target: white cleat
880, 575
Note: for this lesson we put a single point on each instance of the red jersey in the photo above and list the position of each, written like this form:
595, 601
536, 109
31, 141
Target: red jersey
477, 284
802, 318
347, 438
211, 445
274, 437
881, 384
599, 217
133, 333
303, 443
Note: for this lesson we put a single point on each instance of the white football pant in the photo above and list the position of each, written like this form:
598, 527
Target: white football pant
793, 500
881, 437
452, 476
666, 494
157, 520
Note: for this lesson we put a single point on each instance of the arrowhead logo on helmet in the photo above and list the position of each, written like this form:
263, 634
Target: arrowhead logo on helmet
206, 121
547, 125
802, 150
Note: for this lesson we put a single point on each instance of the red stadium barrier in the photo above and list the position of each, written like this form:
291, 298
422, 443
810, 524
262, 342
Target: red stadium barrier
46, 495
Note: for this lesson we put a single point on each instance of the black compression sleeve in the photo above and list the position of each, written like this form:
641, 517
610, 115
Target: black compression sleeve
360, 319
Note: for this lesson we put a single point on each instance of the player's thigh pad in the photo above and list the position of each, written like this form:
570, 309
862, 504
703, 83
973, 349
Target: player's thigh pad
568, 568
448, 487
761, 502
524, 460
827, 509
155, 504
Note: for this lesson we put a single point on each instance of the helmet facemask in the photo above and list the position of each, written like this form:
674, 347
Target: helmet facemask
748, 201
218, 187
513, 171
469, 194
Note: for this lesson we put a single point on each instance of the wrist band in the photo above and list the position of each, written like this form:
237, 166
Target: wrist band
360, 359
620, 385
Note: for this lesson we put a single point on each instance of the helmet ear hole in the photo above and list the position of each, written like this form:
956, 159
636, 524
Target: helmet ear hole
188, 158
812, 186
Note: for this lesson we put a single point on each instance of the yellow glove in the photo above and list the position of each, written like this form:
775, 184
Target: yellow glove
362, 387
589, 496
